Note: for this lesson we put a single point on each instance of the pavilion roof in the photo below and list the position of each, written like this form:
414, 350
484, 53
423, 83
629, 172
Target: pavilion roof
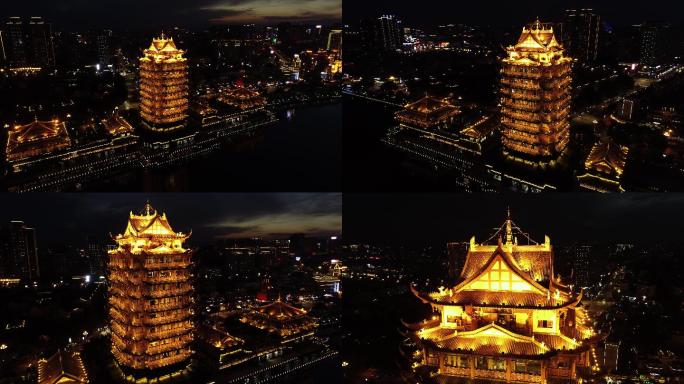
427, 111
533, 258
163, 44
149, 223
494, 340
62, 367
36, 134
219, 338
163, 49
281, 311
537, 36
607, 158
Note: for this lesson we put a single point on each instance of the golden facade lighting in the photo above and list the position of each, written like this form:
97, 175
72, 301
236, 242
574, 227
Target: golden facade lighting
150, 294
604, 167
163, 85
62, 367
242, 98
280, 318
507, 318
36, 138
427, 112
535, 96
116, 125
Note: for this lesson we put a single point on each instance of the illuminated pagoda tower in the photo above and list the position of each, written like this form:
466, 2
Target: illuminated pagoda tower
507, 318
163, 86
150, 295
535, 96
428, 112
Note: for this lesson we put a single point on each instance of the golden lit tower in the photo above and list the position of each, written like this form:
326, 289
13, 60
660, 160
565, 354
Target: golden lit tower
163, 85
535, 96
507, 318
150, 294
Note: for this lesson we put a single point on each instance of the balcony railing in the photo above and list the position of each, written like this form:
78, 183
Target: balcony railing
180, 343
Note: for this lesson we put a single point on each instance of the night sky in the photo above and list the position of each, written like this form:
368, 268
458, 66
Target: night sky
431, 12
150, 14
69, 218
565, 218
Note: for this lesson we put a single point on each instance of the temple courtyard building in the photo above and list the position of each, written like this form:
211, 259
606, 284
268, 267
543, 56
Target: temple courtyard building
507, 318
281, 319
428, 112
36, 138
242, 98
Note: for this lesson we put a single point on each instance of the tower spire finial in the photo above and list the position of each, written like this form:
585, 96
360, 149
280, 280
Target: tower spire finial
148, 210
509, 226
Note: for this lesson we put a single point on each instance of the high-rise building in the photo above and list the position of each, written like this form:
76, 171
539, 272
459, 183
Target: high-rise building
535, 96
580, 265
626, 109
19, 252
3, 52
30, 43
150, 295
388, 33
335, 40
611, 354
580, 36
163, 86
507, 318
96, 255
648, 53
17, 44
42, 44
104, 53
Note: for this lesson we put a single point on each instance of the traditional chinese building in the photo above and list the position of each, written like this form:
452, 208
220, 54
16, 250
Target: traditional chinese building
507, 318
604, 167
117, 126
535, 96
427, 112
36, 138
163, 85
242, 98
281, 319
219, 346
150, 294
62, 367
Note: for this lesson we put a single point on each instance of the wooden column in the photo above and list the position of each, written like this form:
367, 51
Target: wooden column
509, 364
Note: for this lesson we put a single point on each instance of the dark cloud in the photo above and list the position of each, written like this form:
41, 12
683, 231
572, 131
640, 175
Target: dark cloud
566, 218
72, 217
153, 14
511, 12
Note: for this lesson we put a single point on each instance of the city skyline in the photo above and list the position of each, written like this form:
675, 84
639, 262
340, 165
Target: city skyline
73, 15
436, 219
209, 216
509, 14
